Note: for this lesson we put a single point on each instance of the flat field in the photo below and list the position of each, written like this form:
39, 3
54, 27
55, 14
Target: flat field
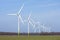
42, 37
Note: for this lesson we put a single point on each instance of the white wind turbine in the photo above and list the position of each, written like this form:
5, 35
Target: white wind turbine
33, 23
19, 18
46, 29
37, 26
30, 22
43, 27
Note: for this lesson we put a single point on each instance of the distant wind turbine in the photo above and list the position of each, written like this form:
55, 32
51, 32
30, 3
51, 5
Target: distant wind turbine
29, 22
33, 23
37, 26
19, 18
46, 29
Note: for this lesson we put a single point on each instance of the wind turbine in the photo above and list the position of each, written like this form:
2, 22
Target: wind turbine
19, 18
46, 29
43, 27
30, 22
33, 23
37, 26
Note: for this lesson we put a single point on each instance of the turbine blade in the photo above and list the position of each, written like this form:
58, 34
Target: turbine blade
29, 16
21, 8
12, 14
21, 19
32, 20
31, 23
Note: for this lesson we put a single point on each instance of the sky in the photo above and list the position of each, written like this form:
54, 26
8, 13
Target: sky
47, 12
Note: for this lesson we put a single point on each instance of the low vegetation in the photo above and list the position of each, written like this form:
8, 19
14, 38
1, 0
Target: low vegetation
36, 37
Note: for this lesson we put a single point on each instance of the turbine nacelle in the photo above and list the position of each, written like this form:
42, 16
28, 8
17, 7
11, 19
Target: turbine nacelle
17, 14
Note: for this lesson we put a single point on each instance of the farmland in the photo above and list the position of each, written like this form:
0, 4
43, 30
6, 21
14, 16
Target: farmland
31, 37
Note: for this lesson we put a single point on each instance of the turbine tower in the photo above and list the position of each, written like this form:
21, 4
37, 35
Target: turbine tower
28, 23
19, 18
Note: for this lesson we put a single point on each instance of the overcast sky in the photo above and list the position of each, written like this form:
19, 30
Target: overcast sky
45, 11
